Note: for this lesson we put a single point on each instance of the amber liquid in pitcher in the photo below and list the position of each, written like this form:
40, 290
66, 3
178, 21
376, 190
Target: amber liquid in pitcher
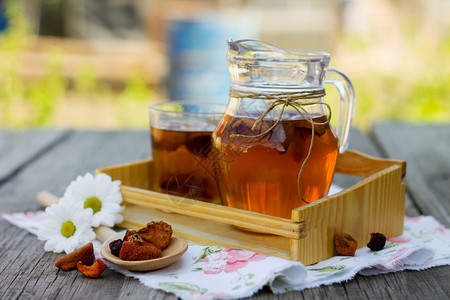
183, 163
260, 174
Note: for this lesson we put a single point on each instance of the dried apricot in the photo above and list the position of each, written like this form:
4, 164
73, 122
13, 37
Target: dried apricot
157, 233
92, 271
84, 254
133, 251
345, 244
134, 237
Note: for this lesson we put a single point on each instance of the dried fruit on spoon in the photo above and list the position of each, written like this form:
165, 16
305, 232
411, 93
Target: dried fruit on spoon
143, 244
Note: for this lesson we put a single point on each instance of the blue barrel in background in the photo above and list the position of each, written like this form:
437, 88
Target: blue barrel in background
3, 19
197, 48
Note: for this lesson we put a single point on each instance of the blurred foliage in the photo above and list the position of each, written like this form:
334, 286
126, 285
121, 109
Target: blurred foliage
134, 96
412, 86
411, 83
24, 103
51, 100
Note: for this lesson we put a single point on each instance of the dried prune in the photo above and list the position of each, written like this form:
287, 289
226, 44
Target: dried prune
115, 247
377, 241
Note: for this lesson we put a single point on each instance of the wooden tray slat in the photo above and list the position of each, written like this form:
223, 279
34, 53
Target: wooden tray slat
214, 212
207, 232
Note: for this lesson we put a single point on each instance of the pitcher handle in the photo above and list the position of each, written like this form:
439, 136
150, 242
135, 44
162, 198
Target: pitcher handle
346, 105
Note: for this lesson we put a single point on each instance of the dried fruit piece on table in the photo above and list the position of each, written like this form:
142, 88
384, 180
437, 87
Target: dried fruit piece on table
115, 247
345, 244
377, 241
158, 233
92, 271
84, 254
133, 251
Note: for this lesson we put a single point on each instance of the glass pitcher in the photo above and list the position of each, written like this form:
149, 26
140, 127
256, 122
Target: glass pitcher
275, 149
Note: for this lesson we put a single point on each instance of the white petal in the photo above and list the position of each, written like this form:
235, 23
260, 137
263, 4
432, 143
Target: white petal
119, 219
50, 245
114, 198
102, 178
96, 220
102, 191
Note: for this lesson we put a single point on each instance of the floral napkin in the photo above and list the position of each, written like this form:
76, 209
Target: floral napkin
209, 272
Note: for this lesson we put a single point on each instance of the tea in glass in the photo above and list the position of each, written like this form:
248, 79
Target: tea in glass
181, 146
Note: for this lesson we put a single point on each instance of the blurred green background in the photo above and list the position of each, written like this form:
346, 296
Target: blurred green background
62, 67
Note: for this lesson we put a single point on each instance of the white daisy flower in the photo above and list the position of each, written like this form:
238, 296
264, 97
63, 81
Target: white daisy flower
66, 227
99, 194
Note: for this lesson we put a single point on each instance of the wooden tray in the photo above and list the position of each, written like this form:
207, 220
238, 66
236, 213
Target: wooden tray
375, 204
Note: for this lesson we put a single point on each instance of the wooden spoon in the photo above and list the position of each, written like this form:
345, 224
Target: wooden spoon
170, 254
176, 248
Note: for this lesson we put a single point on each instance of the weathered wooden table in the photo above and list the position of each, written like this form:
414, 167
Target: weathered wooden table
31, 161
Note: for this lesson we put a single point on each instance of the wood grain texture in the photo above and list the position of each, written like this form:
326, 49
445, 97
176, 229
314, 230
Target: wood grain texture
375, 204
19, 148
356, 163
427, 152
74, 156
215, 212
26, 272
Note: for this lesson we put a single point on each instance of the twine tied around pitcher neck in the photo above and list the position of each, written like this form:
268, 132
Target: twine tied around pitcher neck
297, 100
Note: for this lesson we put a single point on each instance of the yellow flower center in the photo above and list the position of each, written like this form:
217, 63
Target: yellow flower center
68, 229
93, 203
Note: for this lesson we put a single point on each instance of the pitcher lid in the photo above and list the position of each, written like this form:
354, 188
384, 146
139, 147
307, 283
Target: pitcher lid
254, 63
249, 49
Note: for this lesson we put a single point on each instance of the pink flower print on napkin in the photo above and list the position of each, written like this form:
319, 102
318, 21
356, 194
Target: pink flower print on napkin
217, 259
398, 253
27, 216
399, 239
215, 296
440, 230
413, 219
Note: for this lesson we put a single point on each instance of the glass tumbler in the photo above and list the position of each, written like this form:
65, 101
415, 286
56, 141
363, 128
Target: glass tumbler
181, 147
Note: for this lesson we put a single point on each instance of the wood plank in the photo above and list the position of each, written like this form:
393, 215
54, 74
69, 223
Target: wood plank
78, 154
18, 148
426, 149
